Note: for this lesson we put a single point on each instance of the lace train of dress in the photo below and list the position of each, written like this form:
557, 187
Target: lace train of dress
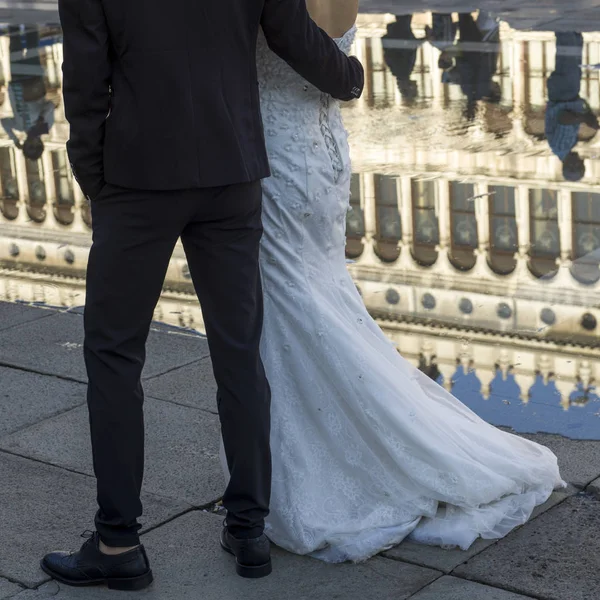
367, 450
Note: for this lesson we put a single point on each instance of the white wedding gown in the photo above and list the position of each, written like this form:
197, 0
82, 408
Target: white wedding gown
367, 450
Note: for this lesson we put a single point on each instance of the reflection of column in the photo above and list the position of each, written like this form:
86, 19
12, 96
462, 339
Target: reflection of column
406, 261
50, 187
565, 225
442, 211
525, 379
21, 174
360, 51
518, 71
482, 214
79, 204
5, 57
565, 387
78, 224
367, 61
49, 183
523, 219
369, 206
431, 56
485, 375
405, 195
517, 68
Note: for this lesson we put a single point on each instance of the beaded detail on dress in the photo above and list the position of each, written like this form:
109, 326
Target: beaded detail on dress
275, 74
330, 143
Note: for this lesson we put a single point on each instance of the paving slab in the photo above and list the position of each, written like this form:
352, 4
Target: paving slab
43, 508
452, 588
435, 557
182, 449
579, 460
54, 346
555, 557
27, 398
188, 564
594, 488
44, 592
193, 385
8, 589
12, 315
446, 560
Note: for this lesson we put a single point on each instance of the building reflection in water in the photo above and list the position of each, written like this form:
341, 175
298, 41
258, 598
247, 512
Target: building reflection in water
566, 110
471, 243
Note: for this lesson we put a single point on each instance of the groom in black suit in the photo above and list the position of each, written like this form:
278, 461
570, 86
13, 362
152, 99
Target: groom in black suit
167, 142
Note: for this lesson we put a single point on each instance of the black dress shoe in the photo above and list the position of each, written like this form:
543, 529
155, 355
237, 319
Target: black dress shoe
252, 556
128, 571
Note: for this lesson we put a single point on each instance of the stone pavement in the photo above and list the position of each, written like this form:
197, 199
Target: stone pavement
47, 492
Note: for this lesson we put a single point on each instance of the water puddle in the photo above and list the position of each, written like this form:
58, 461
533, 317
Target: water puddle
474, 234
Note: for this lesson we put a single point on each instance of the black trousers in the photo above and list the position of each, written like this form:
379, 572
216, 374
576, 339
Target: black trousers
564, 85
134, 234
26, 69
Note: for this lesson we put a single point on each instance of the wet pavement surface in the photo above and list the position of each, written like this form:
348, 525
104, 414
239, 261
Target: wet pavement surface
475, 230
47, 491
474, 239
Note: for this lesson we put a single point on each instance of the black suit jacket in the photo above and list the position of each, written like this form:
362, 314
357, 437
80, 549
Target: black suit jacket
163, 94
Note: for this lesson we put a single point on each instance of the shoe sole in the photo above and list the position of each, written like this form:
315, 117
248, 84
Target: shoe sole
247, 571
126, 584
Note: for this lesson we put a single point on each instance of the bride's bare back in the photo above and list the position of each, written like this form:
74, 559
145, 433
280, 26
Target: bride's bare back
335, 17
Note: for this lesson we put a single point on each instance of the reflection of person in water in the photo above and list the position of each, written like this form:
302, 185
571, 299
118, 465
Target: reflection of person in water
400, 54
567, 110
442, 32
33, 113
472, 62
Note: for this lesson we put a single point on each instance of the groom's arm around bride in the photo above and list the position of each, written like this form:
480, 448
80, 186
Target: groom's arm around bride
292, 35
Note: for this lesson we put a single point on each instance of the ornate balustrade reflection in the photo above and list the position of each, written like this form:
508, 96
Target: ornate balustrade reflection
535, 242
500, 229
527, 384
437, 203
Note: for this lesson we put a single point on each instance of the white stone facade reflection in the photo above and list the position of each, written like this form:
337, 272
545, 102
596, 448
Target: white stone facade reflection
468, 246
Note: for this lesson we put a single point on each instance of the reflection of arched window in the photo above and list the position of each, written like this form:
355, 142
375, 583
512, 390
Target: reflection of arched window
8, 183
65, 198
389, 228
426, 228
355, 221
543, 231
37, 190
586, 236
463, 225
504, 239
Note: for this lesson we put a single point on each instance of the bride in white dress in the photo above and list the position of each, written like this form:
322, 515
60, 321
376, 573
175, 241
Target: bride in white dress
367, 450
